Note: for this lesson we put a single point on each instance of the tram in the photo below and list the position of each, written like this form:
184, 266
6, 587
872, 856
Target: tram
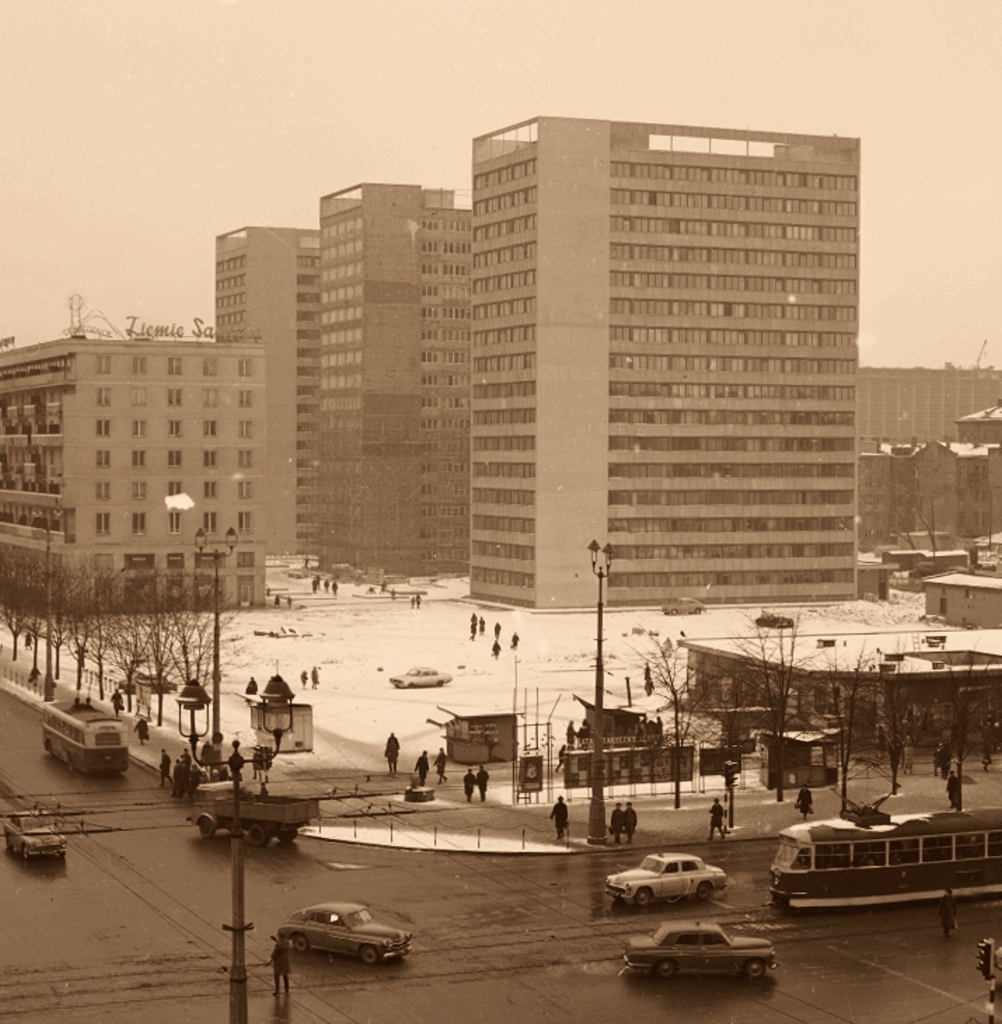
888, 859
87, 739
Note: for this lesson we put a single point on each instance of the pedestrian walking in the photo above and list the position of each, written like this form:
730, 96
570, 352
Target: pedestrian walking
327, 586
391, 753
142, 730
805, 801
514, 641
629, 821
304, 678
482, 778
164, 767
422, 767
559, 815
473, 631
417, 601
953, 790
469, 784
251, 687
496, 650
497, 630
947, 911
117, 703
412, 602
194, 779
182, 773
315, 676
561, 755
616, 823
937, 758
334, 587
279, 961
571, 735
482, 624
716, 819
440, 762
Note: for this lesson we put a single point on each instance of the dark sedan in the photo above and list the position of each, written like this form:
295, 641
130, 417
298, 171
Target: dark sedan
701, 948
346, 928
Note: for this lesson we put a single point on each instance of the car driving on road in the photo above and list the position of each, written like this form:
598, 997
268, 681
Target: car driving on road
671, 876
682, 606
346, 928
770, 620
33, 835
699, 947
418, 677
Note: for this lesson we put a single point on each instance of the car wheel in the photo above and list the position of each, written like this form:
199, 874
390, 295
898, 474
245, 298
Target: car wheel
369, 955
754, 969
206, 828
644, 897
703, 890
410, 686
300, 943
257, 836
666, 968
673, 611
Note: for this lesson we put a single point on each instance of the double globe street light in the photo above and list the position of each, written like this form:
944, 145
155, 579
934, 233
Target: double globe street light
216, 553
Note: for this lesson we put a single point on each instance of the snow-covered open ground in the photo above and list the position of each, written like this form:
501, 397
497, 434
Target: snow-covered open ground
359, 640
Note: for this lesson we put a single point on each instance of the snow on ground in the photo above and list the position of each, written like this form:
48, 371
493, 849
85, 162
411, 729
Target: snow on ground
358, 641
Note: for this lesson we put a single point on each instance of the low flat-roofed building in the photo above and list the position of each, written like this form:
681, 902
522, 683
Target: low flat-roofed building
965, 599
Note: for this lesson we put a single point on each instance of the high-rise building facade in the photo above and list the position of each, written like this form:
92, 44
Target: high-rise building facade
664, 357
117, 452
268, 288
394, 379
902, 405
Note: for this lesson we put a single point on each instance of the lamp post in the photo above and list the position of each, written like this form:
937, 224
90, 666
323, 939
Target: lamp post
596, 814
50, 683
238, 966
231, 543
191, 699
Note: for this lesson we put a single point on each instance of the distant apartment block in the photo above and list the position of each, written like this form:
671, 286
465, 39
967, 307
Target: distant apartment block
394, 379
664, 358
268, 287
116, 453
902, 405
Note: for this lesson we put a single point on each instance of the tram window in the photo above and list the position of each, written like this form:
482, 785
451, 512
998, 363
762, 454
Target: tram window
803, 859
831, 855
869, 855
904, 851
970, 846
995, 844
937, 848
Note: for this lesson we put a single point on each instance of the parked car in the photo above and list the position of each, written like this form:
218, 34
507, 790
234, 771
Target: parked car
666, 876
417, 677
928, 568
33, 835
346, 928
701, 948
770, 620
683, 606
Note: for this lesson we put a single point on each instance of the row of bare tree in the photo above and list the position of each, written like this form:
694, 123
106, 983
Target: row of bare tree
158, 625
778, 681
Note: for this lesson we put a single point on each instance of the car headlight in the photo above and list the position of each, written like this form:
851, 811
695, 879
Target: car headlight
626, 888
387, 943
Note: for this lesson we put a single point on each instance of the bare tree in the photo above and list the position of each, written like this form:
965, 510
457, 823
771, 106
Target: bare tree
18, 579
895, 714
967, 701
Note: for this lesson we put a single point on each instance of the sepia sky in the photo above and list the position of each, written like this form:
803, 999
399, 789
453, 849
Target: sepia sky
132, 133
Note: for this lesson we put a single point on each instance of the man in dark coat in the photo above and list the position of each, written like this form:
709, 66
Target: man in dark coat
953, 790
805, 801
629, 822
164, 767
391, 753
469, 784
117, 703
482, 778
422, 767
716, 818
279, 961
142, 730
440, 762
616, 824
947, 911
182, 774
559, 815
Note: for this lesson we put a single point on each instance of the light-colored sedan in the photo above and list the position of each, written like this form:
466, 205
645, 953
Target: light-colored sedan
346, 928
419, 677
683, 606
699, 947
666, 876
33, 835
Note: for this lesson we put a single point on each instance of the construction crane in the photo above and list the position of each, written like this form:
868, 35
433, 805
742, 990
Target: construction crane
977, 362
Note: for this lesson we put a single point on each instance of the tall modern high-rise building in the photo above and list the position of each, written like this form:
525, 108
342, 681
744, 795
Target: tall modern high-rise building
664, 358
268, 288
394, 379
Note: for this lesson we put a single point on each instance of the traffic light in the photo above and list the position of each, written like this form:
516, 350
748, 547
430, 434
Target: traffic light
730, 773
985, 966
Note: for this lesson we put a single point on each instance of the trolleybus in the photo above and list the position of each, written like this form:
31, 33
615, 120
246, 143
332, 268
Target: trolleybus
837, 863
87, 739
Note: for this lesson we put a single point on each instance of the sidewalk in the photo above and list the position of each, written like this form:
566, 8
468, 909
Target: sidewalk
367, 807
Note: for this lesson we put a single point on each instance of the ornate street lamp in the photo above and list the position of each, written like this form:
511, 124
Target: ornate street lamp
231, 543
192, 699
596, 814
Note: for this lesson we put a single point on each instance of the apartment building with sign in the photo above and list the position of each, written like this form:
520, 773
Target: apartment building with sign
268, 288
115, 453
394, 379
664, 358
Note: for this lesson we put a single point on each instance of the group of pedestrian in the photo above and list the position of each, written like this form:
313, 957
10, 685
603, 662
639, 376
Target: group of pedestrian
623, 820
416, 601
304, 677
580, 737
477, 625
477, 782
328, 585
187, 775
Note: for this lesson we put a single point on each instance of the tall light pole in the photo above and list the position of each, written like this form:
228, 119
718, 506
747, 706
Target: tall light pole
50, 683
596, 814
231, 543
